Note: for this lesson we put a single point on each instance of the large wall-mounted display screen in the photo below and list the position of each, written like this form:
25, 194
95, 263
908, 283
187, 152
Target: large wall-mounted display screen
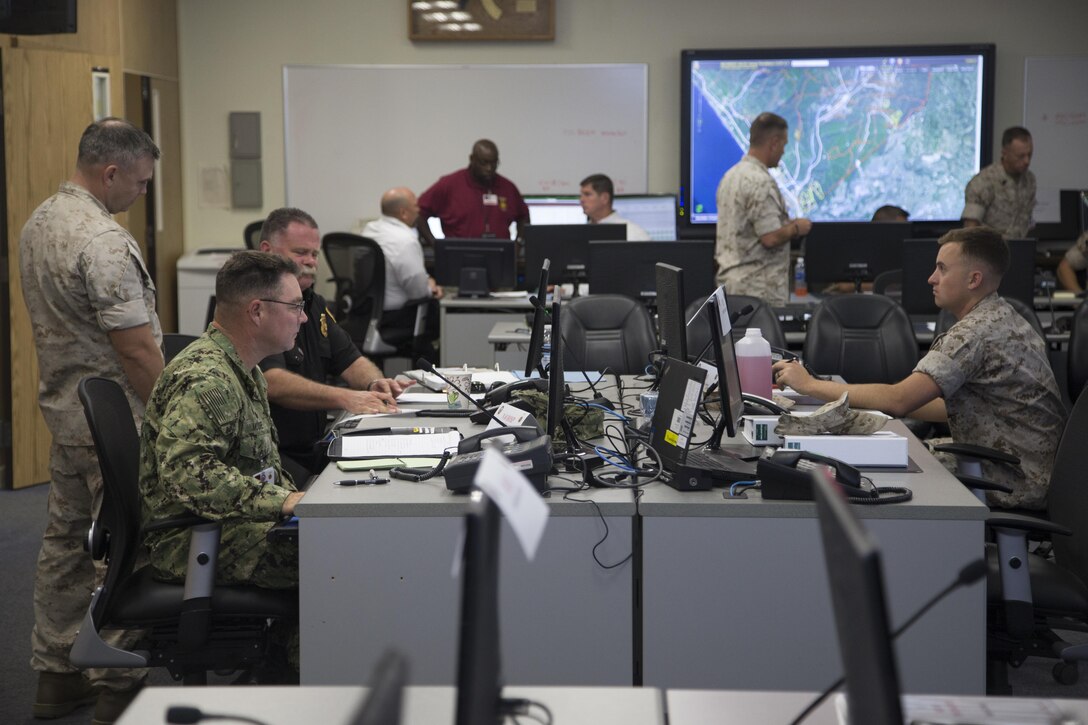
907, 126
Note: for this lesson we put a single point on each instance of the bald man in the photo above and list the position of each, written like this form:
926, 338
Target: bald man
406, 278
476, 201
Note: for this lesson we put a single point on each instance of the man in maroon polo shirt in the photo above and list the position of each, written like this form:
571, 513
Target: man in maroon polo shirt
475, 202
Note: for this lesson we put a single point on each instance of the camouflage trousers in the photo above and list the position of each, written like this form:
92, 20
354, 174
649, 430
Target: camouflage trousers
66, 574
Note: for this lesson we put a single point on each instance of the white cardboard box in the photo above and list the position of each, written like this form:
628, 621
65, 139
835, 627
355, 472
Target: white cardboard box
883, 448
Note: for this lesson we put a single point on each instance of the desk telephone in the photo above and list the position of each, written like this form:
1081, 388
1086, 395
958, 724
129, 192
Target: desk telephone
531, 454
785, 476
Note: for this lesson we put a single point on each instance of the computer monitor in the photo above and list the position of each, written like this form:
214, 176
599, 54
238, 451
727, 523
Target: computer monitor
920, 259
557, 388
861, 617
855, 252
629, 268
725, 360
475, 266
670, 311
555, 210
567, 246
540, 321
656, 213
383, 703
479, 669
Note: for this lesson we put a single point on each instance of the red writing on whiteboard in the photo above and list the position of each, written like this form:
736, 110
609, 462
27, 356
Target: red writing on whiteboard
547, 185
1068, 118
616, 133
579, 132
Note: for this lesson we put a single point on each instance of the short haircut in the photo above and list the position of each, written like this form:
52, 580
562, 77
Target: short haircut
485, 144
765, 127
1014, 133
250, 275
392, 203
981, 244
890, 213
278, 221
114, 141
600, 184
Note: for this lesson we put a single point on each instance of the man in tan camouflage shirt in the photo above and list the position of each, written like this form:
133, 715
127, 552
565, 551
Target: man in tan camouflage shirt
754, 229
988, 375
1002, 195
92, 306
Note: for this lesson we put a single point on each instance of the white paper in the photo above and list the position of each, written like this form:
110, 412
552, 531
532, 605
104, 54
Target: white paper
516, 498
427, 398
509, 415
393, 446
711, 373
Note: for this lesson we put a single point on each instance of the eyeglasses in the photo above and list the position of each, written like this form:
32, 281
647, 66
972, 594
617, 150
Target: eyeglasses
300, 307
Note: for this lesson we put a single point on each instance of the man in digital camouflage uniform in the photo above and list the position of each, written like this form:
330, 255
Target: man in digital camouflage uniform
92, 307
754, 229
208, 445
1002, 195
988, 376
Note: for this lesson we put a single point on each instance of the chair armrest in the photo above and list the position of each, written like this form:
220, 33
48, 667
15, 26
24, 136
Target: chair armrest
1019, 522
418, 301
973, 451
983, 484
181, 522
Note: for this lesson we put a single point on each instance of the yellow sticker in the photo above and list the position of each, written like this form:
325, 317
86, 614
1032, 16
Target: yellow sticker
671, 437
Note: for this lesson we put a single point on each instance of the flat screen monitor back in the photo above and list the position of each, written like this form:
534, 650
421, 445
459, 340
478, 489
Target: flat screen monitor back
540, 321
494, 259
566, 245
670, 311
725, 359
556, 385
629, 268
920, 259
855, 251
861, 618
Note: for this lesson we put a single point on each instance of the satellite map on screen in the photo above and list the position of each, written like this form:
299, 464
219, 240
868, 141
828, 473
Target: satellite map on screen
863, 131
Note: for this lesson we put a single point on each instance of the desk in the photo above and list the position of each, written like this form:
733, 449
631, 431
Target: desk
734, 593
422, 705
375, 570
464, 324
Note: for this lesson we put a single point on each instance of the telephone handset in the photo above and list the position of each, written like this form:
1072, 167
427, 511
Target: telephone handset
785, 476
523, 434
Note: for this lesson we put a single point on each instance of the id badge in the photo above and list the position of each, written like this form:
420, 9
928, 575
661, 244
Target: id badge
268, 475
491, 199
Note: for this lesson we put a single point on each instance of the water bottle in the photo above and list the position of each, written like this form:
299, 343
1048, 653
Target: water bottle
800, 284
754, 363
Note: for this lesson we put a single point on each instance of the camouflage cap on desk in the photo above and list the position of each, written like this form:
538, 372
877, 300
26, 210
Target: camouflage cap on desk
835, 417
588, 422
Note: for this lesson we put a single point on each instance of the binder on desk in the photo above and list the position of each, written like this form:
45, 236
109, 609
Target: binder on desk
357, 447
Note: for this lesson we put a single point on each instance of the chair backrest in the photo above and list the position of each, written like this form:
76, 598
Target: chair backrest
118, 448
863, 338
606, 331
1077, 361
252, 234
945, 319
761, 316
889, 283
1067, 498
358, 268
173, 343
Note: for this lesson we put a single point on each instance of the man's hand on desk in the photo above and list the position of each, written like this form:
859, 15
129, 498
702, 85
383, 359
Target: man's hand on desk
361, 401
389, 386
288, 508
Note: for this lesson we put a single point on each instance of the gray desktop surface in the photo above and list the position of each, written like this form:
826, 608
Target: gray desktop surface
376, 568
734, 593
422, 705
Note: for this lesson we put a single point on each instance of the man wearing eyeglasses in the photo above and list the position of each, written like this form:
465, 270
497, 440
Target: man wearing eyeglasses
298, 391
208, 446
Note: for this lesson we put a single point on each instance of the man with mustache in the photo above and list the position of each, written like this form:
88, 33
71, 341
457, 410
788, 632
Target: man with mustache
298, 391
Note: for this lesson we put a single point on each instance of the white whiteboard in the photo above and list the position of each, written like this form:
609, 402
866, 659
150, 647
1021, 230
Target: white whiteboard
352, 132
1056, 113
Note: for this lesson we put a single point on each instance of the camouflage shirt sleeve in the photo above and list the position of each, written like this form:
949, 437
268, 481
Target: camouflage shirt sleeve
977, 199
198, 432
115, 281
953, 359
764, 208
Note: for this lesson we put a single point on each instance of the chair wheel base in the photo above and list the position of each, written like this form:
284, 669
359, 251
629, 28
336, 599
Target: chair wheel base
1066, 673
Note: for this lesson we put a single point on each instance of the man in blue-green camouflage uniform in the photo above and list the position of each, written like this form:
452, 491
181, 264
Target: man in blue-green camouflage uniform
208, 446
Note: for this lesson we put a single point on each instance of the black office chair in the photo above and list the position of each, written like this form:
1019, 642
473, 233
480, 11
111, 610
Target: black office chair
945, 320
1027, 603
1076, 367
607, 332
252, 234
863, 338
762, 316
358, 268
889, 284
187, 628
173, 343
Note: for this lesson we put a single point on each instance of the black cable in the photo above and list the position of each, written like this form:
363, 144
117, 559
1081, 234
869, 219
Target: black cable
187, 715
604, 538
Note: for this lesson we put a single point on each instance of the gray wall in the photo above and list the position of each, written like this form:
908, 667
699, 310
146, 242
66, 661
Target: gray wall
232, 54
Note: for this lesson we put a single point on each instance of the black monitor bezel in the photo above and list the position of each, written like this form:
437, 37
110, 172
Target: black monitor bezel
567, 246
535, 352
836, 252
614, 267
686, 228
725, 360
672, 332
501, 257
557, 388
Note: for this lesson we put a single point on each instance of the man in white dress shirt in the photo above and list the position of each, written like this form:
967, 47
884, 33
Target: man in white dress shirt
406, 278
596, 198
